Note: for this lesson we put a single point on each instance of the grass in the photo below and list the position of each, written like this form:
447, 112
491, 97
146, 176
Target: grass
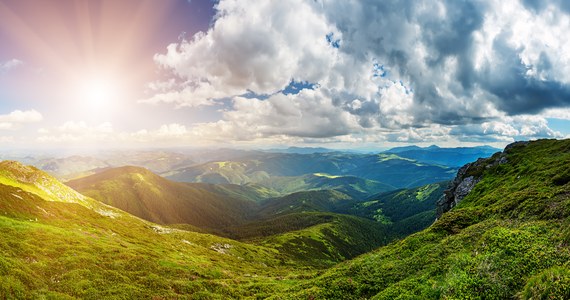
507, 239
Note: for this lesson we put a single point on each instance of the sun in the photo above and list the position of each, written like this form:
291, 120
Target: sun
97, 93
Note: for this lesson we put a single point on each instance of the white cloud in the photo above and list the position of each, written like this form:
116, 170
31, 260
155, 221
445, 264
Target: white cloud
10, 65
18, 117
404, 71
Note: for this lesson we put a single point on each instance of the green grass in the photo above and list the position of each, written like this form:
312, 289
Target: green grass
507, 239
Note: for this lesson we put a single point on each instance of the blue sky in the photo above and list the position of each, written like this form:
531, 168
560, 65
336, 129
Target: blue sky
335, 73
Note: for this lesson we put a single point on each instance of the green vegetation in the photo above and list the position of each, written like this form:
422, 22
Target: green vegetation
411, 210
153, 198
507, 239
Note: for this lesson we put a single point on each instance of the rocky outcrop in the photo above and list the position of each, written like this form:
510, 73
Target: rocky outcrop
457, 189
468, 176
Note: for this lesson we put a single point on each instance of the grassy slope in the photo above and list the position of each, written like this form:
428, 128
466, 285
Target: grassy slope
508, 238
151, 197
74, 249
339, 238
304, 225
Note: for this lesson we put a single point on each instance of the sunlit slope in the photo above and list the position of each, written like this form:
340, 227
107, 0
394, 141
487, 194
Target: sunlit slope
151, 197
508, 238
69, 248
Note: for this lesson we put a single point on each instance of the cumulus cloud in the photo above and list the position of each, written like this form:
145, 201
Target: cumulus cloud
17, 117
408, 70
9, 65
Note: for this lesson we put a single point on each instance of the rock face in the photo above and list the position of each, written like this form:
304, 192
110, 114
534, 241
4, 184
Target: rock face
468, 176
457, 189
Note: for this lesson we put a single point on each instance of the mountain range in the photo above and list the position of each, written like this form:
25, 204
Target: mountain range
318, 226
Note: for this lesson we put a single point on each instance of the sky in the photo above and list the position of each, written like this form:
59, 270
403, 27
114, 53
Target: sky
244, 73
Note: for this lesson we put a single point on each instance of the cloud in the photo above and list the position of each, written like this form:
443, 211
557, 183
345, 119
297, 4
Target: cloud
17, 117
405, 71
9, 65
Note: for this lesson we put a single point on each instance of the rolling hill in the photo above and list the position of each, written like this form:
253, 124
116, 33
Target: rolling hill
146, 195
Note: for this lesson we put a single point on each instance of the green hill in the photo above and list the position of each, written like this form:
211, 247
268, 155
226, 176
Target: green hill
502, 234
409, 210
337, 238
58, 244
153, 198
315, 201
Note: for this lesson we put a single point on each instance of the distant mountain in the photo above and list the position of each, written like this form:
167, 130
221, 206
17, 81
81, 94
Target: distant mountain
302, 150
397, 150
388, 169
452, 157
155, 160
72, 166
142, 193
353, 186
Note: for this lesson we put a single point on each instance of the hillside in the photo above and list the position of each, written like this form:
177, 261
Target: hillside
146, 195
309, 201
325, 227
57, 244
409, 210
502, 234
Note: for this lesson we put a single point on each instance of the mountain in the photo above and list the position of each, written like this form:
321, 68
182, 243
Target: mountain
315, 201
353, 186
388, 169
302, 150
58, 244
451, 157
75, 166
502, 233
155, 160
72, 166
146, 195
408, 210
325, 227
303, 227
